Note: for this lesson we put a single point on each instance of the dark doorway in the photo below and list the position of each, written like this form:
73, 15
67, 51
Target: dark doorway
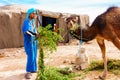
48, 20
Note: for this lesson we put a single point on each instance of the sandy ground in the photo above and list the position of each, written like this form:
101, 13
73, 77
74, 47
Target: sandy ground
13, 60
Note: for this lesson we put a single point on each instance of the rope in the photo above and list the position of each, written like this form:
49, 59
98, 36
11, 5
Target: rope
39, 18
80, 41
80, 49
81, 37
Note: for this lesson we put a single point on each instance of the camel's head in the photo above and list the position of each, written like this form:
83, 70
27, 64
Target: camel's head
75, 29
72, 22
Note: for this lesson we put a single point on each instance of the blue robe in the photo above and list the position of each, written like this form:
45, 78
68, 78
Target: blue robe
30, 45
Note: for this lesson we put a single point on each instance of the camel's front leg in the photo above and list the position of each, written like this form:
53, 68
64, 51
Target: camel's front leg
102, 46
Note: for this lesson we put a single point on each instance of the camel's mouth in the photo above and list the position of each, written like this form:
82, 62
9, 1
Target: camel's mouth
73, 33
74, 27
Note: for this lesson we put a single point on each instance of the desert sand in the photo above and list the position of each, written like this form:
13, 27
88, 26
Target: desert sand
13, 60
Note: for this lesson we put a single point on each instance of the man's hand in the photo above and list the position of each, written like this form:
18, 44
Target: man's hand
37, 35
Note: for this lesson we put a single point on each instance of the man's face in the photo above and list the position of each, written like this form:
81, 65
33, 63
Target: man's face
32, 15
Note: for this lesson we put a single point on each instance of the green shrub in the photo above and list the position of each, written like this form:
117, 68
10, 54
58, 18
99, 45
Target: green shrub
47, 42
113, 65
51, 73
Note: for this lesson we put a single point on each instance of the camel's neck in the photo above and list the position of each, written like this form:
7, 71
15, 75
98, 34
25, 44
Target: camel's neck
92, 32
86, 34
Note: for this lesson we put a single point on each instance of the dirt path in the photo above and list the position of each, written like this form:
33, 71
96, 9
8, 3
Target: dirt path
13, 60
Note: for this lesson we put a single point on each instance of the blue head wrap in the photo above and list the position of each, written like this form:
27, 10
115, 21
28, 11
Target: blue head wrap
31, 10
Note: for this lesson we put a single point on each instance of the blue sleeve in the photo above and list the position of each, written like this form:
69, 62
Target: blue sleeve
26, 26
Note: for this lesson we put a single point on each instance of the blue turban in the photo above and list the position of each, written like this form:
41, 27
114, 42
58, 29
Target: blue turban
31, 10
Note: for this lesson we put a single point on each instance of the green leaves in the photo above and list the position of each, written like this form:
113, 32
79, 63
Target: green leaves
47, 38
74, 27
47, 42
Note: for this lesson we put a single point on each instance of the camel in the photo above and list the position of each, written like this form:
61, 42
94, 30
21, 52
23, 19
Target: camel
105, 27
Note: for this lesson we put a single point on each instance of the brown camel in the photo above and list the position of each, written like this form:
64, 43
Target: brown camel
105, 27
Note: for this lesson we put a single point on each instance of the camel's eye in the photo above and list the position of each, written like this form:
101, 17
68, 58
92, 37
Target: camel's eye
73, 20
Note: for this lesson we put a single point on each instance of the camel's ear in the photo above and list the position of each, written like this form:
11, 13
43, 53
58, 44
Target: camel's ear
65, 19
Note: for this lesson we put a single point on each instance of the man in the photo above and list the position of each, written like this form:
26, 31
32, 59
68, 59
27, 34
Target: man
30, 42
55, 28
